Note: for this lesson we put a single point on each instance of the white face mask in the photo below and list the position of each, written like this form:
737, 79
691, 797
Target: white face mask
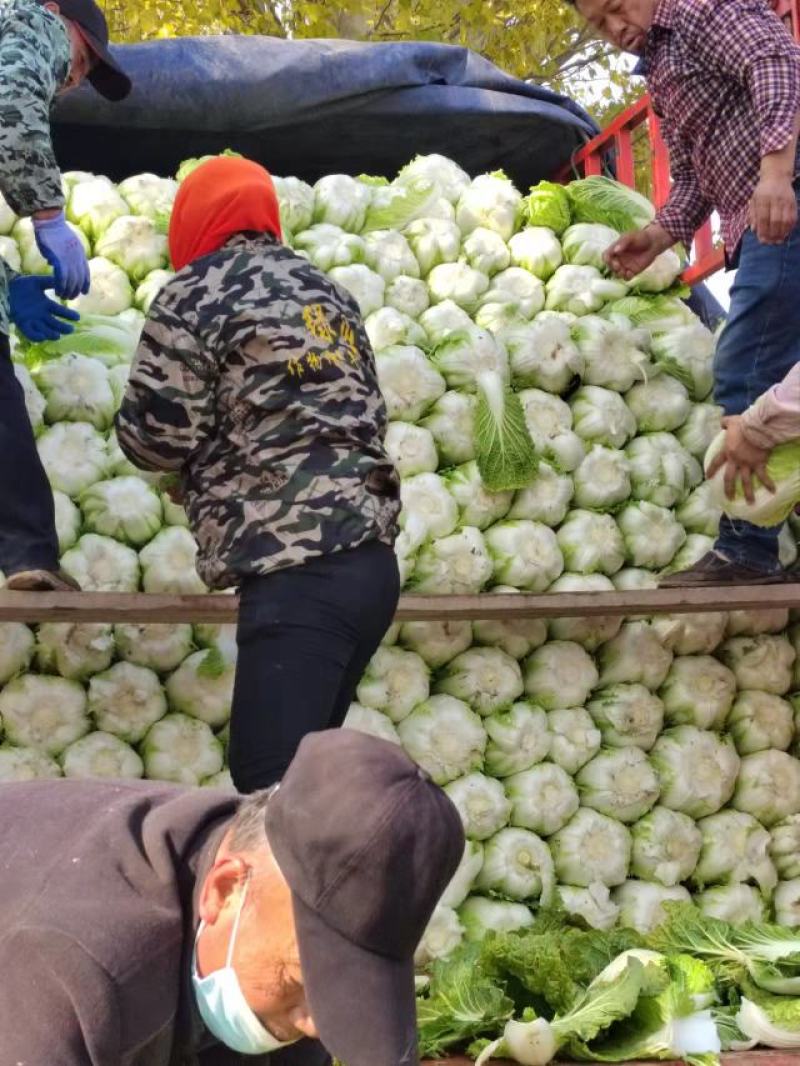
223, 1007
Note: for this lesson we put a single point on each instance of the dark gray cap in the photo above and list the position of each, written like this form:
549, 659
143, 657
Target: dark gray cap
108, 77
367, 844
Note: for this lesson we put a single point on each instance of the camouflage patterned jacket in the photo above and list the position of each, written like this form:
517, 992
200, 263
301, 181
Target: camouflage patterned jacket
254, 378
34, 62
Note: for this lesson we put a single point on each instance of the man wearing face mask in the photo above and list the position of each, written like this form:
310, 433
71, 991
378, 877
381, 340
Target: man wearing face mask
143, 924
724, 78
46, 49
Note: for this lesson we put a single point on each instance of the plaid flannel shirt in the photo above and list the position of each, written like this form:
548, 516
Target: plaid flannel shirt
724, 78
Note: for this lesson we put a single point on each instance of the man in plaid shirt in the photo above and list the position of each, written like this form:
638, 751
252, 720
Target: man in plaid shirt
724, 78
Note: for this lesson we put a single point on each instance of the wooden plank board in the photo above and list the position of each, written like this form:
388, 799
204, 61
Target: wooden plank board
733, 1058
142, 607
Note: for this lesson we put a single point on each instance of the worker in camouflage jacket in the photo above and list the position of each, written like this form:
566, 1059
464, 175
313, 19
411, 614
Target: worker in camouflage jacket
46, 49
254, 381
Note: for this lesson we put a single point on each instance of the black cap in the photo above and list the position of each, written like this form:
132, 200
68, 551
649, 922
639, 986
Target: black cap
367, 844
107, 77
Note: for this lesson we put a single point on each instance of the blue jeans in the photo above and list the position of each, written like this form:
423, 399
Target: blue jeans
758, 347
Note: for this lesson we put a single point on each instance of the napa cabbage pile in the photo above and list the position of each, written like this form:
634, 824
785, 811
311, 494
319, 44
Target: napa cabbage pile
487, 309
549, 423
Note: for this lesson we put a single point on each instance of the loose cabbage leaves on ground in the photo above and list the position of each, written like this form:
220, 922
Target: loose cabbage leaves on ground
535, 1041
695, 986
461, 1002
552, 963
642, 1005
767, 1019
770, 954
547, 967
668, 1023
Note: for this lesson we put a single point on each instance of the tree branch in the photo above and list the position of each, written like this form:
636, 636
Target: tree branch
582, 39
585, 60
564, 72
269, 7
402, 35
381, 17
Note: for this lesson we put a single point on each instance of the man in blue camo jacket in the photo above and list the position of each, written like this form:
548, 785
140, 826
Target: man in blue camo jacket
46, 49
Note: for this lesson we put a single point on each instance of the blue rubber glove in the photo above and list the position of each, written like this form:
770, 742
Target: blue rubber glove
36, 315
64, 252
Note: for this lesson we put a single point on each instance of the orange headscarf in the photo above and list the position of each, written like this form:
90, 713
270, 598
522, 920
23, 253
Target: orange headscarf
221, 197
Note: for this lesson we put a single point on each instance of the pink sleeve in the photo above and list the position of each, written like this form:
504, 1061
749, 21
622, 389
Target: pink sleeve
775, 416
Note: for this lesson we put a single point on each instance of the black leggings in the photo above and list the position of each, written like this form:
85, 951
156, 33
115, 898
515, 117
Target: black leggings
305, 636
27, 518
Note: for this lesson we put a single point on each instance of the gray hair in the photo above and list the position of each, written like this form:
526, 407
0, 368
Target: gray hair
248, 832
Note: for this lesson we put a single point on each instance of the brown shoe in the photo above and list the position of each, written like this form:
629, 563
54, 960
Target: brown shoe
42, 581
715, 569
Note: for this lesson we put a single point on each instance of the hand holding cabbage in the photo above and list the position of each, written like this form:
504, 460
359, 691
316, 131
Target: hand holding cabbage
635, 251
741, 460
764, 443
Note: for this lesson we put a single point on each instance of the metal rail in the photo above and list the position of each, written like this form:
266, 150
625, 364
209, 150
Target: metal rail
139, 607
